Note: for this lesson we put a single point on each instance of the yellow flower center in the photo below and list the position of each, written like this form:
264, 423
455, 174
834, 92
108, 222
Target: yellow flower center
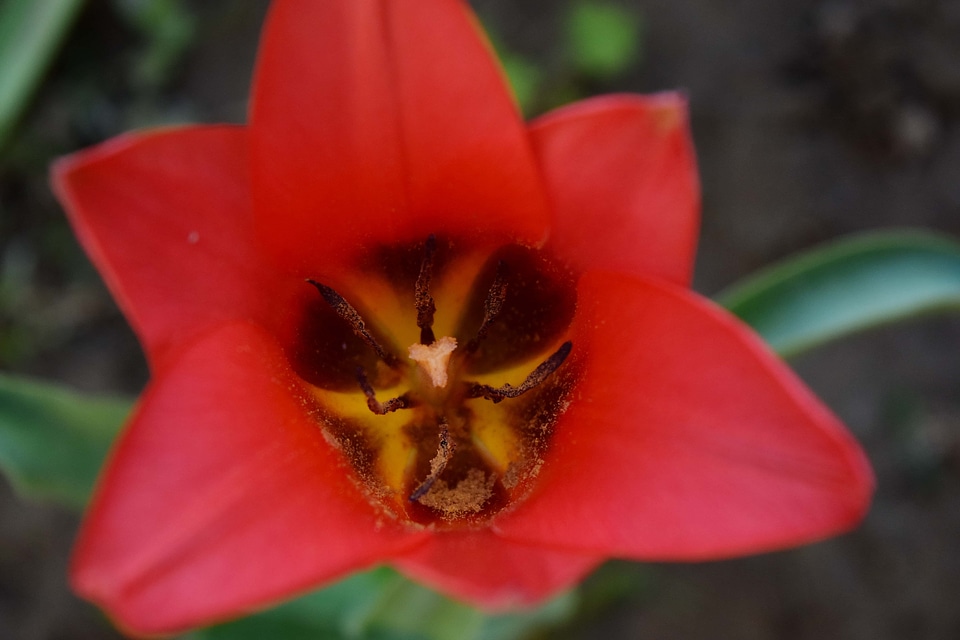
455, 431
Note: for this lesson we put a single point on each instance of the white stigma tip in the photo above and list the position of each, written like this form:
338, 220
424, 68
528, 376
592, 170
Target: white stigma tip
434, 358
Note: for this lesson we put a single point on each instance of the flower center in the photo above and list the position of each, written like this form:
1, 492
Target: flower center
452, 429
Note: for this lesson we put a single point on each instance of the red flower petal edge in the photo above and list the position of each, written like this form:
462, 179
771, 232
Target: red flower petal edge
595, 407
622, 177
690, 439
497, 574
222, 495
166, 216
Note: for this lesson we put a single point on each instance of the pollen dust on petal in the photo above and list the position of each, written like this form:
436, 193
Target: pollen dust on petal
468, 496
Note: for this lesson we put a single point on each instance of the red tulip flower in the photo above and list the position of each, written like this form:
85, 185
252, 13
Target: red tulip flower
387, 322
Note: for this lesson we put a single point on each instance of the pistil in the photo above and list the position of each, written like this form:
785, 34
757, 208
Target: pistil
434, 359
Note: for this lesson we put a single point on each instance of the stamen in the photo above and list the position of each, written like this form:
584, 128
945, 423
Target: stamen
492, 305
425, 304
439, 462
535, 379
352, 317
380, 408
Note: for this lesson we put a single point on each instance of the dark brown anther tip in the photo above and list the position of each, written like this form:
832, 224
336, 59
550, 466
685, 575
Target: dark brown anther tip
491, 306
352, 317
381, 408
535, 379
444, 453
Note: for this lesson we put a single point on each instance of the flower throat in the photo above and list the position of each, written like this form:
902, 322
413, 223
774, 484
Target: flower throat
450, 429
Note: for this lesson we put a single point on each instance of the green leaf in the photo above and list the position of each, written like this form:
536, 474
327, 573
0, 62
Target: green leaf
53, 441
30, 34
847, 286
603, 38
383, 605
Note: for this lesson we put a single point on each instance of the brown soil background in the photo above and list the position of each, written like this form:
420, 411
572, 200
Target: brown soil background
812, 119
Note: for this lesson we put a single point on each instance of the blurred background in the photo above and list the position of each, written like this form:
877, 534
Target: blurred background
812, 119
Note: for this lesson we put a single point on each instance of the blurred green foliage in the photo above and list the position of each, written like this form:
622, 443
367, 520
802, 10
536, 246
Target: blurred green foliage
30, 35
526, 79
168, 28
603, 38
599, 42
53, 441
383, 605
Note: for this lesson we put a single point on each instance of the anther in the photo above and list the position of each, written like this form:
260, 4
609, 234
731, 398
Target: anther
380, 408
425, 304
352, 317
491, 306
535, 379
439, 462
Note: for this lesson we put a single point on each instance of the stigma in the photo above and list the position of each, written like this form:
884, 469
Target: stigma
434, 359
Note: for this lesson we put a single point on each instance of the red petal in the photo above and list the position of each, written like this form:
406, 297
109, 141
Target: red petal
384, 121
223, 495
166, 218
623, 180
489, 572
689, 439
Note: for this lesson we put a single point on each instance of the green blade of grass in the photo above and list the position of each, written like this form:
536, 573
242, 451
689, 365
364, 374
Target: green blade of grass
847, 286
30, 34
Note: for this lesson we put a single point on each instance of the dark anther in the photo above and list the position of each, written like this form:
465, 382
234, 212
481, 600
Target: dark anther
350, 315
425, 304
380, 408
438, 464
492, 305
541, 373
